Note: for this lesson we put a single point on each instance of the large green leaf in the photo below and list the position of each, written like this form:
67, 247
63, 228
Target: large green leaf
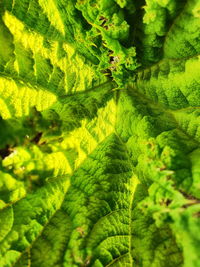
99, 130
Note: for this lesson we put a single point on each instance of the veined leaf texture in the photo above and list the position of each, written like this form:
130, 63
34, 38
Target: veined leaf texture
99, 133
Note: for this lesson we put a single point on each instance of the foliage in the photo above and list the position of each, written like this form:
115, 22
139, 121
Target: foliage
100, 135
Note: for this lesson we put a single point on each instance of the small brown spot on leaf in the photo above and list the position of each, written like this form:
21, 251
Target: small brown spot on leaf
81, 231
196, 214
37, 137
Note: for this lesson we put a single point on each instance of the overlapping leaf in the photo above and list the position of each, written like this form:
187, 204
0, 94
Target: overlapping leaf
99, 133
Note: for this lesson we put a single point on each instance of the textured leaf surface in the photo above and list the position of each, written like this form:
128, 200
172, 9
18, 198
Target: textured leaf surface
99, 130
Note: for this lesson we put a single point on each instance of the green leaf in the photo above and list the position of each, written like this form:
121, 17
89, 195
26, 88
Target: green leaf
99, 130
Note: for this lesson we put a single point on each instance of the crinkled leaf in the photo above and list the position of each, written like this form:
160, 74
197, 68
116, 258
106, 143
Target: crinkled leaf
99, 129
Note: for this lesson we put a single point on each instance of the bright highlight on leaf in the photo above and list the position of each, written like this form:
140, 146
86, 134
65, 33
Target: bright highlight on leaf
99, 133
